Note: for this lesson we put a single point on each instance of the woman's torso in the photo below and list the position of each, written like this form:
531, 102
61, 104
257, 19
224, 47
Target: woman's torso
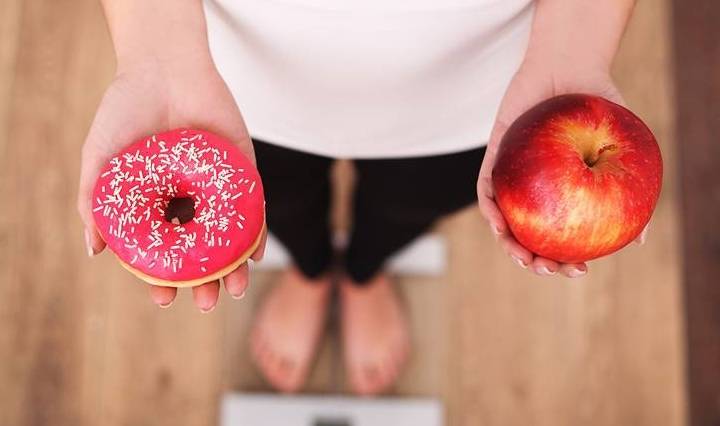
372, 78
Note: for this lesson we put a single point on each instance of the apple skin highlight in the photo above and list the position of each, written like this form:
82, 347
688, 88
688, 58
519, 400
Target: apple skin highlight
577, 177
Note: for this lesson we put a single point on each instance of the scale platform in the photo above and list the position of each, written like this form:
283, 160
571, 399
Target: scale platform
426, 256
278, 410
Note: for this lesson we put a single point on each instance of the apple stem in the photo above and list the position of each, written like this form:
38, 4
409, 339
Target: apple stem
593, 158
606, 148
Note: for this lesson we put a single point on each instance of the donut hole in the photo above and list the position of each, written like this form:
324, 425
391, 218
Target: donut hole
180, 210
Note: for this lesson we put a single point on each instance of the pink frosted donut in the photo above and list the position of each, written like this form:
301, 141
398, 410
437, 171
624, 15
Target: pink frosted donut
180, 208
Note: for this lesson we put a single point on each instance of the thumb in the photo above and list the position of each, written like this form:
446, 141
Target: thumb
92, 161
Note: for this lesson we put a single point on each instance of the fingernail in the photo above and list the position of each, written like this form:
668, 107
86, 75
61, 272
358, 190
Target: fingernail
544, 270
495, 230
165, 305
519, 262
643, 237
238, 296
575, 272
208, 310
88, 246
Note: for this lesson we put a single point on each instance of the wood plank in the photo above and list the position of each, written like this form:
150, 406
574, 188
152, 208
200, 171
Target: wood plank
697, 80
40, 350
9, 30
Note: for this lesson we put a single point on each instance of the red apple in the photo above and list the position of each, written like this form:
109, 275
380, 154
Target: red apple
577, 177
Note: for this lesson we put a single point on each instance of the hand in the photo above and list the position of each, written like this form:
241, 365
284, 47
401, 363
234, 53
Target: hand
534, 82
151, 97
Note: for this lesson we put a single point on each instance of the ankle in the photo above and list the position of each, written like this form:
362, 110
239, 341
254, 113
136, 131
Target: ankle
349, 285
295, 276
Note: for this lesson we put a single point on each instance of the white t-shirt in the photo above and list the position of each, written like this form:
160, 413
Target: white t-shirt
369, 78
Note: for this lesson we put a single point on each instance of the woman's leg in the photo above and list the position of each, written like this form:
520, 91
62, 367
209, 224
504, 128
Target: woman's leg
297, 193
291, 319
396, 200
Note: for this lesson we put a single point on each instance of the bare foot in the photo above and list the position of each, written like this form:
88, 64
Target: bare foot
288, 328
375, 334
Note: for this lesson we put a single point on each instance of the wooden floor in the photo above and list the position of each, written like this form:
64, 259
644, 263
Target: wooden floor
81, 345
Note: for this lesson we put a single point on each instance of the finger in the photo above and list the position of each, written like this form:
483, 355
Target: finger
91, 163
489, 209
543, 266
109, 125
573, 270
162, 296
236, 282
259, 252
206, 296
643, 235
519, 254
94, 243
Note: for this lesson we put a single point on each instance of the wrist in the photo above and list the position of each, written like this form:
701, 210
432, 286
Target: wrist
578, 34
160, 32
165, 60
561, 62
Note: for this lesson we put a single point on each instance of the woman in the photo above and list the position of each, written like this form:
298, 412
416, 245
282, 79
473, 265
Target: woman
417, 92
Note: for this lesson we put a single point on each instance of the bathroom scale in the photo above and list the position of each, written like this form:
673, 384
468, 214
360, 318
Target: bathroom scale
238, 409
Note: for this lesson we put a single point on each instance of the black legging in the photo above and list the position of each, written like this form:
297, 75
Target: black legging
395, 201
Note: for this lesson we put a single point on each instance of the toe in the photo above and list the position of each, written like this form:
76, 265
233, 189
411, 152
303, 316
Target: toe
281, 374
267, 365
391, 368
388, 370
289, 375
375, 379
365, 380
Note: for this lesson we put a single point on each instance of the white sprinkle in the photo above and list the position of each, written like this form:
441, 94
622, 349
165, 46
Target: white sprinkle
204, 259
202, 268
252, 187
